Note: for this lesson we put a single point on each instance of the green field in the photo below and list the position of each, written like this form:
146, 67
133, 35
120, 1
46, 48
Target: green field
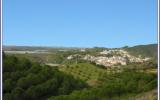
88, 72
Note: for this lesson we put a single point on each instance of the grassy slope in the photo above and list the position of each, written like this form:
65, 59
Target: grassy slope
88, 72
149, 95
144, 50
127, 86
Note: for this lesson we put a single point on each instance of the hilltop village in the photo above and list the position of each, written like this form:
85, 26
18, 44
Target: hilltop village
110, 57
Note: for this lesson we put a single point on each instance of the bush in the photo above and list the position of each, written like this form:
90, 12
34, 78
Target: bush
24, 80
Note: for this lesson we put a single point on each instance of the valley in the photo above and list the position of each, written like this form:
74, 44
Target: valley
110, 73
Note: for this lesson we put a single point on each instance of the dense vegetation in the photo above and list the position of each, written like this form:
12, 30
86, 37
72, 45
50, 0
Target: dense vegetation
92, 74
96, 74
123, 87
25, 80
77, 79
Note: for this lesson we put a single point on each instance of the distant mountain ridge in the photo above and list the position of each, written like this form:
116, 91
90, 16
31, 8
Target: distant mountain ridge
149, 50
30, 48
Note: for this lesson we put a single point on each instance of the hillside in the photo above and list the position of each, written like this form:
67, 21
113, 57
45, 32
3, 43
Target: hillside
88, 72
25, 80
150, 95
59, 54
78, 79
122, 87
144, 50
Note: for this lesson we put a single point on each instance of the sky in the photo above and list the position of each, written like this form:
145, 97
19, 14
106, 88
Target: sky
79, 23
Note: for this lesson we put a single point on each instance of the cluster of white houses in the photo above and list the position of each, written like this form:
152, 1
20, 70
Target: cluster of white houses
106, 61
119, 57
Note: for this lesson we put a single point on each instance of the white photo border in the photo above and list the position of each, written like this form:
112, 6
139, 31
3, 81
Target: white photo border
1, 90
1, 43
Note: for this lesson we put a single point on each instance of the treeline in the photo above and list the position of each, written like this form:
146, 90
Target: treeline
26, 80
126, 85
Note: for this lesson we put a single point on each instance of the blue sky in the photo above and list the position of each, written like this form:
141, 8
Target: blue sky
79, 23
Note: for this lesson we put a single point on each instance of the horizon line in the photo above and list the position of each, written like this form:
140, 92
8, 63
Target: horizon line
77, 46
